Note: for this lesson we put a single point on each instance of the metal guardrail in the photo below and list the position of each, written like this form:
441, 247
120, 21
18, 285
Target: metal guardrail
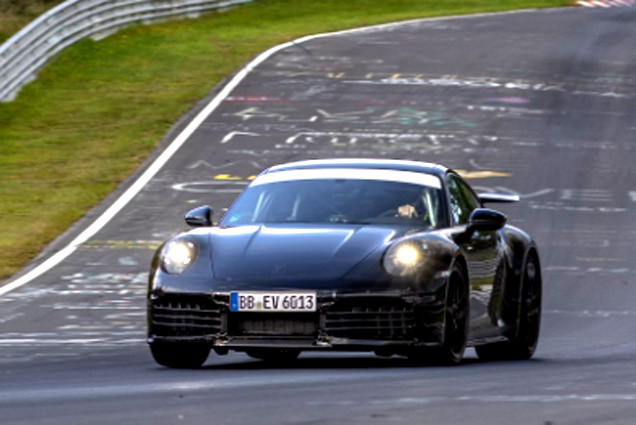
26, 52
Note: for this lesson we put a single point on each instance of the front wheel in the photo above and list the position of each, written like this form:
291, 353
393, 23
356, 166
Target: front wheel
180, 356
456, 317
524, 343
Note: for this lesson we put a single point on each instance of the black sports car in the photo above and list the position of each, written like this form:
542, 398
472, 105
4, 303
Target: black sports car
395, 257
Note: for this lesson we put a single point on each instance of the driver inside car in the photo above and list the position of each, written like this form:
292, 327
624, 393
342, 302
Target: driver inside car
407, 211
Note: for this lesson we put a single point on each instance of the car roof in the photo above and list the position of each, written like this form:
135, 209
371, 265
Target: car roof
381, 164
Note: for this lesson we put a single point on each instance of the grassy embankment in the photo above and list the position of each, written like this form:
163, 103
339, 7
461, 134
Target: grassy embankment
99, 108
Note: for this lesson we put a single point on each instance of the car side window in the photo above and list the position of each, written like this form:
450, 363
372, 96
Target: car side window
462, 200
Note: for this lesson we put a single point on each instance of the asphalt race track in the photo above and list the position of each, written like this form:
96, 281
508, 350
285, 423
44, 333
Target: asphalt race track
536, 103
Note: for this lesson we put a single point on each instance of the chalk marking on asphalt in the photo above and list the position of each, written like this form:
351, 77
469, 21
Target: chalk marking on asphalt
176, 144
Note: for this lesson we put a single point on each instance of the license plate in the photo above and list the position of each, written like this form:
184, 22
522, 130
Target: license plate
273, 301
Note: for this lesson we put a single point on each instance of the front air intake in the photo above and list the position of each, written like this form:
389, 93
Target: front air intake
185, 316
370, 319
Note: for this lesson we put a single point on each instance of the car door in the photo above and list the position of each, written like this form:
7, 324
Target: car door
485, 262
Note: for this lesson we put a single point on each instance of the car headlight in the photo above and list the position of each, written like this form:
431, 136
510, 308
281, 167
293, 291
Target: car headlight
178, 255
404, 258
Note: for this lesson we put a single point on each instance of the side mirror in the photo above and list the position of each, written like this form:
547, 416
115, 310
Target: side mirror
486, 220
199, 217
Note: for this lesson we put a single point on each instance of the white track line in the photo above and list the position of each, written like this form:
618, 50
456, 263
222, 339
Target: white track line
165, 156
606, 3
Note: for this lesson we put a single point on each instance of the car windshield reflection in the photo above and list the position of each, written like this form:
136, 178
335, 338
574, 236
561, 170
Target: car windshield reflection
338, 201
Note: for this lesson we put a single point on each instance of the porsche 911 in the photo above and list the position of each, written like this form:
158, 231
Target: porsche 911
387, 256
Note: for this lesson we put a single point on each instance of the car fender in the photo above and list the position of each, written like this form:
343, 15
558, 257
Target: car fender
518, 246
431, 275
195, 279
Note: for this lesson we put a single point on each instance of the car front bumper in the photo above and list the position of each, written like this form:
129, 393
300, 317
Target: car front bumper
386, 321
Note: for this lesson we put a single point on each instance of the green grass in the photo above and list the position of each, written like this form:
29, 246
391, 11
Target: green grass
100, 108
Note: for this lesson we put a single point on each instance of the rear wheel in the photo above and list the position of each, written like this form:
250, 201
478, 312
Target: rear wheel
524, 343
455, 324
180, 356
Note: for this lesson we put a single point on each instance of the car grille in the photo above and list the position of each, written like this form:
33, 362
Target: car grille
366, 319
273, 324
185, 316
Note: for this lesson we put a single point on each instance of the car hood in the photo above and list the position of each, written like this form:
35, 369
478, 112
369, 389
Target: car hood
283, 254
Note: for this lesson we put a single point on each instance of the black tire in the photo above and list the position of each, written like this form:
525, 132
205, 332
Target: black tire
180, 356
524, 343
274, 355
456, 316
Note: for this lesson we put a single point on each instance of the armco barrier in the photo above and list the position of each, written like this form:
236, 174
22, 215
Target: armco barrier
25, 53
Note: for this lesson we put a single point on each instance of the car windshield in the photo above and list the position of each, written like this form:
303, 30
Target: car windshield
336, 200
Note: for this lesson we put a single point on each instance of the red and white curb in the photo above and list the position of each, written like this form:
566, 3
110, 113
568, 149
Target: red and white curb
606, 3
